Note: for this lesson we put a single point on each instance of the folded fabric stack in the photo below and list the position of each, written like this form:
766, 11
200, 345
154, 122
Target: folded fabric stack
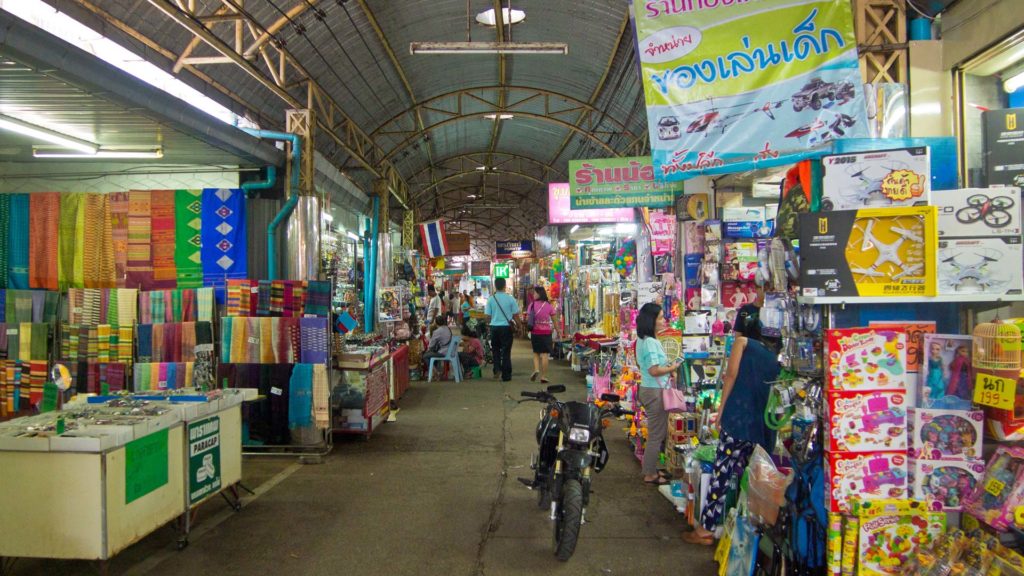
36, 306
164, 376
278, 298
94, 306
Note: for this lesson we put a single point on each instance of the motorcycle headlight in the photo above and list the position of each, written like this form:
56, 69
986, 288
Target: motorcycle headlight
581, 435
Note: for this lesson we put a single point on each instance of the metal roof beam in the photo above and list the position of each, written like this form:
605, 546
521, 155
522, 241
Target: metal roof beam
506, 160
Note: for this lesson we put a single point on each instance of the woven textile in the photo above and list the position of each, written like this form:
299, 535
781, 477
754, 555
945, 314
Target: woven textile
318, 298
300, 396
99, 267
44, 216
127, 306
321, 397
244, 340
163, 376
268, 421
12, 375
18, 242
165, 272
139, 265
224, 250
117, 206
5, 223
313, 340
263, 301
70, 244
204, 307
241, 299
96, 378
203, 372
188, 240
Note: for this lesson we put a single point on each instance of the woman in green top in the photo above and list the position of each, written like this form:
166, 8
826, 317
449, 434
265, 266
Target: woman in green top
654, 372
465, 308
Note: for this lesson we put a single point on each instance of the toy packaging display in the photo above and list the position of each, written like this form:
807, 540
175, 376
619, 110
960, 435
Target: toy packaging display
916, 332
867, 421
900, 177
946, 379
862, 359
871, 476
1000, 490
945, 434
944, 485
892, 532
736, 294
740, 261
871, 252
981, 266
979, 212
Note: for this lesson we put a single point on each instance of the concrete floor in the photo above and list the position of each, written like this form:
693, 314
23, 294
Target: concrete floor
433, 493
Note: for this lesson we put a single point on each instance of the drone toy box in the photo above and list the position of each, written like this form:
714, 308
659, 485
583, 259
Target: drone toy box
981, 266
885, 252
870, 476
892, 532
865, 359
945, 434
867, 421
881, 178
944, 485
979, 212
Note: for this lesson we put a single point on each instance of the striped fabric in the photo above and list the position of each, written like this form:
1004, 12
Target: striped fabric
163, 376
70, 246
18, 242
139, 263
99, 257
118, 209
5, 224
44, 216
165, 273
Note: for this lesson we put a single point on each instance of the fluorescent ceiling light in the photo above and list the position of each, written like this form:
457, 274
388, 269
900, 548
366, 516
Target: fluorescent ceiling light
152, 153
1014, 82
499, 116
327, 217
574, 228
351, 235
46, 134
625, 228
488, 48
487, 17
482, 168
471, 196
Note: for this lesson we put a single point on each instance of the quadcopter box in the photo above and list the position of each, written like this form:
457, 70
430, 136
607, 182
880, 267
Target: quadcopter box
866, 360
880, 178
853, 477
992, 266
887, 252
979, 212
944, 484
867, 421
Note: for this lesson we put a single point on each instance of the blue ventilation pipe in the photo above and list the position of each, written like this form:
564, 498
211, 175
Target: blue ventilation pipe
252, 185
293, 200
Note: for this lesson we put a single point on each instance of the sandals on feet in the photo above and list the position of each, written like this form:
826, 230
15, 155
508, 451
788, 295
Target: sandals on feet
659, 481
533, 377
694, 538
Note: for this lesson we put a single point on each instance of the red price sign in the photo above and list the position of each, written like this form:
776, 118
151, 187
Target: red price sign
991, 390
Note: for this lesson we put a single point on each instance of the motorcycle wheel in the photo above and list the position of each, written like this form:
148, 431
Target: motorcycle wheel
570, 518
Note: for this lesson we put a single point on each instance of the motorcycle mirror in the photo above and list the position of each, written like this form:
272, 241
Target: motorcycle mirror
556, 389
610, 397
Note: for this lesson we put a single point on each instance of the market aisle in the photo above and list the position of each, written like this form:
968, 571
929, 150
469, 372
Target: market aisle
426, 495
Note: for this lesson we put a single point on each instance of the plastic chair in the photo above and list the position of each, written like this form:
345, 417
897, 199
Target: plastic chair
451, 357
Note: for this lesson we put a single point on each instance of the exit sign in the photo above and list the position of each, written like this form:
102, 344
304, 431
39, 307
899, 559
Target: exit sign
501, 270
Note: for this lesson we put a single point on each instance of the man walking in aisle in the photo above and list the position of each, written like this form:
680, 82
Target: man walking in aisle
433, 306
502, 310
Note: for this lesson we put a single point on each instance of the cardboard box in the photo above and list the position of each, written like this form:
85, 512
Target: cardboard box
945, 434
981, 266
892, 532
867, 421
944, 484
880, 178
869, 476
749, 221
979, 212
864, 359
946, 379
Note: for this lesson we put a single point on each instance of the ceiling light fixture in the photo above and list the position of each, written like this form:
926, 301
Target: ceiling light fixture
103, 154
574, 228
499, 116
351, 235
471, 196
49, 135
327, 217
482, 168
508, 16
488, 48
1014, 82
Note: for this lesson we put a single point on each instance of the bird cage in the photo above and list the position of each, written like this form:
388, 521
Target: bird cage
996, 346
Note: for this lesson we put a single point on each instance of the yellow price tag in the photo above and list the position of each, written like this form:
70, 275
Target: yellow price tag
994, 487
994, 391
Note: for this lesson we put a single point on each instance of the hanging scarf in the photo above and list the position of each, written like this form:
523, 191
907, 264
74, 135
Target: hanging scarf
18, 242
5, 225
224, 250
71, 247
44, 216
165, 273
118, 204
139, 264
318, 298
188, 239
300, 397
99, 267
313, 333
321, 396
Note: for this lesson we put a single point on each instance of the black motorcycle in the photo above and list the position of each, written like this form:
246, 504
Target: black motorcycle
570, 448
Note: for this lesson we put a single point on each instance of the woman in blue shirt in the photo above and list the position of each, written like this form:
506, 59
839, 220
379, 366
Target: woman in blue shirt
654, 372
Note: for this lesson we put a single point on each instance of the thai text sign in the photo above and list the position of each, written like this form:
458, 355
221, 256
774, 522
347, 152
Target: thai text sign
560, 210
480, 268
513, 249
734, 84
618, 183
458, 244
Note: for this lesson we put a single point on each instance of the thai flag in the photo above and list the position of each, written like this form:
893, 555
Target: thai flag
434, 241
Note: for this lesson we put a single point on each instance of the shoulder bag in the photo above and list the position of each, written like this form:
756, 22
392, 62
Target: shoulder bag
511, 322
672, 398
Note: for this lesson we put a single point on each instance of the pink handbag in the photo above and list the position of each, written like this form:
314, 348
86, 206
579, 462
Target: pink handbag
673, 400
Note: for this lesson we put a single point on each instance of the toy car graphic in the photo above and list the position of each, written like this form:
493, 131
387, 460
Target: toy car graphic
668, 128
816, 92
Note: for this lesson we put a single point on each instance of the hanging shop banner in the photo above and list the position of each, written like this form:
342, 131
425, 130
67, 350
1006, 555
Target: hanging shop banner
480, 268
737, 84
145, 465
505, 249
458, 244
618, 183
663, 232
204, 478
560, 210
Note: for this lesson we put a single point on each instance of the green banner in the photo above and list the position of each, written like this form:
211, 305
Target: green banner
145, 465
204, 477
502, 270
618, 183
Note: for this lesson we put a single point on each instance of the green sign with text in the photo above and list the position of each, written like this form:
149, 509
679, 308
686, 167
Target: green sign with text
618, 183
204, 478
501, 271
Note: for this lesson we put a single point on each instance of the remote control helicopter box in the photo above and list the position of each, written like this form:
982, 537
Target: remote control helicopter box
887, 252
979, 212
876, 179
981, 266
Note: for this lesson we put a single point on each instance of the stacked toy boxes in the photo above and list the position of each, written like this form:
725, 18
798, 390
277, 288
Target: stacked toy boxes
867, 416
945, 431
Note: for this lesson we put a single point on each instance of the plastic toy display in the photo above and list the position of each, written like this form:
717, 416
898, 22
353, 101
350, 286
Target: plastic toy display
947, 379
979, 212
899, 177
862, 359
1001, 490
875, 252
867, 422
981, 266
892, 532
916, 331
944, 485
945, 434
871, 476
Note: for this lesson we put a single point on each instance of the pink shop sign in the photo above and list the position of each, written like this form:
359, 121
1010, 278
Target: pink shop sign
559, 211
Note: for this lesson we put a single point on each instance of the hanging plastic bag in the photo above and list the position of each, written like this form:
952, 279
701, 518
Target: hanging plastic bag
768, 485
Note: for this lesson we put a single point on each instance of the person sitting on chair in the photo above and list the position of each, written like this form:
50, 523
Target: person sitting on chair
439, 340
472, 353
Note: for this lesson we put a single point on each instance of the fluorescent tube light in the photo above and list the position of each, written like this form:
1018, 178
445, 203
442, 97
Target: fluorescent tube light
507, 17
351, 235
153, 153
46, 134
327, 217
1014, 82
499, 116
574, 228
488, 48
482, 168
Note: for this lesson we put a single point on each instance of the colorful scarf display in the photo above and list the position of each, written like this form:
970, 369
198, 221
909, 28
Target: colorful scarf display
224, 250
313, 343
22, 384
98, 378
171, 342
118, 204
321, 397
267, 418
36, 306
99, 343
278, 298
248, 340
139, 265
318, 298
300, 397
99, 233
71, 241
43, 219
241, 297
163, 376
102, 306
5, 225
165, 273
18, 242
179, 305
188, 239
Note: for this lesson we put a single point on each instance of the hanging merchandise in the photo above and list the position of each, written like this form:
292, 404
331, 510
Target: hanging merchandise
625, 258
225, 248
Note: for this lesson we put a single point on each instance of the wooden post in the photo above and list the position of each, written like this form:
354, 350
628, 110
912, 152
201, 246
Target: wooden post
881, 27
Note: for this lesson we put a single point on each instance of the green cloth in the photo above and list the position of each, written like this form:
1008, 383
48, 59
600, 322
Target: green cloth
188, 205
38, 349
71, 241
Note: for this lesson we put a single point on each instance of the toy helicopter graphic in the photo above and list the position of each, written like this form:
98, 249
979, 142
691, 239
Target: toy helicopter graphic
960, 275
887, 253
714, 120
828, 126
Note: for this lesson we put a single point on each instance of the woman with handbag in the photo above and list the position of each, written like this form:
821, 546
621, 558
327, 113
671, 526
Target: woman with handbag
654, 381
540, 323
